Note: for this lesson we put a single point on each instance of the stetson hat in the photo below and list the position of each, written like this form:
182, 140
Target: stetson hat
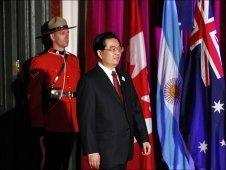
54, 25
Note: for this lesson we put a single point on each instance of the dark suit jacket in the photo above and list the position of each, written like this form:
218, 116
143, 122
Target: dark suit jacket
108, 124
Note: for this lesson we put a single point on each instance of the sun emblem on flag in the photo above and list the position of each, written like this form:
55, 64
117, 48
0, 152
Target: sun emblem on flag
172, 90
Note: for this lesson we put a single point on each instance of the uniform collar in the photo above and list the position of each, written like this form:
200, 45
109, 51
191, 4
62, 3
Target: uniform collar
57, 52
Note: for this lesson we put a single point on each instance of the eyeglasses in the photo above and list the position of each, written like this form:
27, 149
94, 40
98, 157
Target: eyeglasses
115, 49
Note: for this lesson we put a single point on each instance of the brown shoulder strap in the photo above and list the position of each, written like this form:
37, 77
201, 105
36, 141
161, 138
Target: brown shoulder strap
61, 70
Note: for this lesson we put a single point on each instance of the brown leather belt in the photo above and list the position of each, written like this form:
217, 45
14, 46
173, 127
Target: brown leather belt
56, 93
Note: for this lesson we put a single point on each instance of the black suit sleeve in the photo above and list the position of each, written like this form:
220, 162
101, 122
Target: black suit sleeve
140, 129
86, 116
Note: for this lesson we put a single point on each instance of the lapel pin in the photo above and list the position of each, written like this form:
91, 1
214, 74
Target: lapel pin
123, 78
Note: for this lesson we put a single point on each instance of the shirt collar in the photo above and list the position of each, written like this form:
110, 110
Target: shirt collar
106, 70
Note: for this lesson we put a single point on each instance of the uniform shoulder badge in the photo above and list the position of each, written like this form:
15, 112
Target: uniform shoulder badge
34, 74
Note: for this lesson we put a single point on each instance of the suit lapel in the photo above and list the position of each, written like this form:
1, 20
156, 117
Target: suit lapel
122, 82
124, 88
109, 85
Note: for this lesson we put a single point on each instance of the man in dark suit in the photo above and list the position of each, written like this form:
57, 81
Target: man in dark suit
108, 109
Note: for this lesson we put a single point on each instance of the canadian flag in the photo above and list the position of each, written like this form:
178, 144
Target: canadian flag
137, 67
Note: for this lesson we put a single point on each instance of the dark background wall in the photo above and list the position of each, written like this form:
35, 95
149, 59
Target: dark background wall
20, 23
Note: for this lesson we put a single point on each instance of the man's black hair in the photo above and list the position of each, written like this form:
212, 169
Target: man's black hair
99, 41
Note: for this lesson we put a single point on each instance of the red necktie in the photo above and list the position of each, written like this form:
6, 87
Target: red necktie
116, 84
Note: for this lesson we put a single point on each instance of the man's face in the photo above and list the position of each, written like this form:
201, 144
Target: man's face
111, 55
60, 39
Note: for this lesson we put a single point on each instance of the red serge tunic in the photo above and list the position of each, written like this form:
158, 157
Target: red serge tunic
61, 116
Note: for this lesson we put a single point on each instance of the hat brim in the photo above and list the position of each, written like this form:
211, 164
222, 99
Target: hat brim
53, 30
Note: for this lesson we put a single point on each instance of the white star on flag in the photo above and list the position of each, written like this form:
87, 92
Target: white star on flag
223, 142
218, 106
203, 146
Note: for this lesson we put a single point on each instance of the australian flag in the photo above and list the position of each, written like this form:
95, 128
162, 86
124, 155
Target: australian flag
203, 106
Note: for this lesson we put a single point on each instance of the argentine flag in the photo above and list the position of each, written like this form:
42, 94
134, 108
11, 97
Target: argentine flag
169, 89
